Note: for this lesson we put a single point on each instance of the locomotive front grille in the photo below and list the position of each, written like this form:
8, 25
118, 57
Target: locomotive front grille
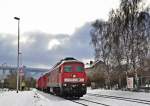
74, 89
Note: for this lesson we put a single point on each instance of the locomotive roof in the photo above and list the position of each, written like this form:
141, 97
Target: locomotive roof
68, 59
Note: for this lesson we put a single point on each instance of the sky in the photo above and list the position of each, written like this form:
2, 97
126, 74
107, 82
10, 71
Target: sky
52, 16
49, 29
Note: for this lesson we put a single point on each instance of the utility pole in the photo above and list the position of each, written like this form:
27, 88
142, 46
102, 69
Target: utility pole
21, 70
18, 19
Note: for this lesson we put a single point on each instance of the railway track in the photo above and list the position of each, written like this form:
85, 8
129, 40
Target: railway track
94, 102
83, 102
79, 103
147, 102
86, 102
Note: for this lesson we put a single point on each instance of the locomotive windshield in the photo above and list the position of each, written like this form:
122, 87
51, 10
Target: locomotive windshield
70, 68
79, 69
67, 68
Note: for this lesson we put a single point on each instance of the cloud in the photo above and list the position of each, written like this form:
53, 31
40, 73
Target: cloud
53, 43
78, 45
43, 49
7, 49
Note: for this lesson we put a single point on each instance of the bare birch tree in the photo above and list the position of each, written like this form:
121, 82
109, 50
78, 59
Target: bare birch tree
125, 37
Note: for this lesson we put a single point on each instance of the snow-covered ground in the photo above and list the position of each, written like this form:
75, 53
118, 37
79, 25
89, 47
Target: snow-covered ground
32, 98
37, 98
118, 98
127, 94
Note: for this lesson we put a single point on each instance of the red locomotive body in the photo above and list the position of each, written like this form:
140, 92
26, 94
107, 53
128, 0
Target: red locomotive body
67, 78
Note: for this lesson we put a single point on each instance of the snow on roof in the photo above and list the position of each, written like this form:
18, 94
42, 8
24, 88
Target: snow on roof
95, 63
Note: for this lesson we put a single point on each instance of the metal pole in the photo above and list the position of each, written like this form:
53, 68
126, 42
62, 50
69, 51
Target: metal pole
18, 52
18, 57
20, 71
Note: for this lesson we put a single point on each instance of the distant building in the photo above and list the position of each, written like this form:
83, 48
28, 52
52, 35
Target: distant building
97, 72
144, 73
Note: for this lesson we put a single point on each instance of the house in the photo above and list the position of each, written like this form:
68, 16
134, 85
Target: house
97, 73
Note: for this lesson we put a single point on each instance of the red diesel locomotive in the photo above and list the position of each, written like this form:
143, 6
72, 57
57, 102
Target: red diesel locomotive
66, 78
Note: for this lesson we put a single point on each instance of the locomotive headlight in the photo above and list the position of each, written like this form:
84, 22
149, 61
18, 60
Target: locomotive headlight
83, 84
73, 85
64, 84
73, 75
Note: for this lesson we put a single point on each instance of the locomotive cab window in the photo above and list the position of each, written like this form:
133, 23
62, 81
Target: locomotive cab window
67, 68
79, 69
